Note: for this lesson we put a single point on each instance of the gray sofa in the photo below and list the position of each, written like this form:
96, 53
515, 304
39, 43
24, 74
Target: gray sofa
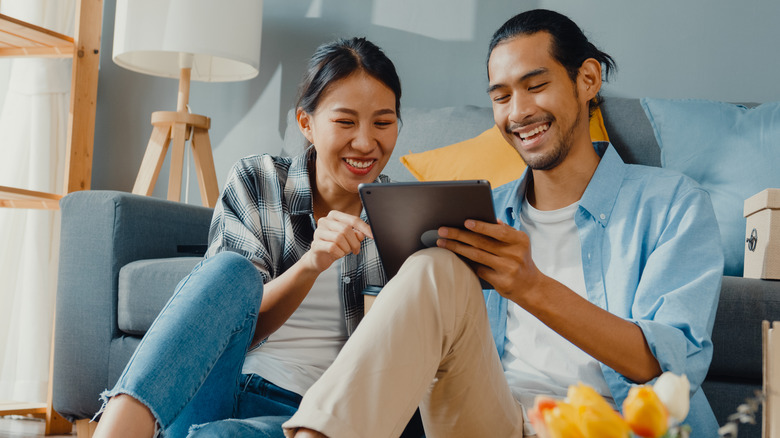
122, 255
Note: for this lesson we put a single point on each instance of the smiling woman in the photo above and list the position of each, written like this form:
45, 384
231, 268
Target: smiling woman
287, 260
353, 130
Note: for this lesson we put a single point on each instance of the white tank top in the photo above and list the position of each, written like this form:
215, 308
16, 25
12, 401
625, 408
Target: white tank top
297, 354
537, 360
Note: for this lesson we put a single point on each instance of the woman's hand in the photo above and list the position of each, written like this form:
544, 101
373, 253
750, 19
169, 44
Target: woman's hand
337, 235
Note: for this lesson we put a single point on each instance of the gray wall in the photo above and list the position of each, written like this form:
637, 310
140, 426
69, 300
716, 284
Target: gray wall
714, 49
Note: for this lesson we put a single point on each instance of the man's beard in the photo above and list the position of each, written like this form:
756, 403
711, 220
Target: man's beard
561, 150
555, 157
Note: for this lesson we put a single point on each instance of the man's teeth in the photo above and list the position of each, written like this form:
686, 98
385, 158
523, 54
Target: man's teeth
539, 129
359, 164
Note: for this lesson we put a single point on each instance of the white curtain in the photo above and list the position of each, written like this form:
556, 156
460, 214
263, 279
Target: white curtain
33, 130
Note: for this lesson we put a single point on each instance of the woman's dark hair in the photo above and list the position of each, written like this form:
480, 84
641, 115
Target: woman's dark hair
570, 46
339, 59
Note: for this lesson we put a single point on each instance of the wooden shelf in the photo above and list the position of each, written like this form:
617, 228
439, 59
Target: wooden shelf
22, 39
19, 38
12, 197
16, 408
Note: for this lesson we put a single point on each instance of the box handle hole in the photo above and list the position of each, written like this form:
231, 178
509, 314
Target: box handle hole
751, 241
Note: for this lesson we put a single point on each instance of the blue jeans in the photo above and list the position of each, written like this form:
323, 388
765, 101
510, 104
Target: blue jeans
187, 368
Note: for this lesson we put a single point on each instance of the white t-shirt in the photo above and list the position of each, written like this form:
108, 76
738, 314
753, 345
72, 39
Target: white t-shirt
297, 354
537, 360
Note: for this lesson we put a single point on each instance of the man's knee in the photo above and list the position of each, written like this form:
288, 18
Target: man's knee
443, 269
437, 258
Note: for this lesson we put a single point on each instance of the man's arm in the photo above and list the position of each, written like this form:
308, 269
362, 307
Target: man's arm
672, 303
504, 258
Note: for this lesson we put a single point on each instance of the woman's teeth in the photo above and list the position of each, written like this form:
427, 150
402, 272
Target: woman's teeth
359, 164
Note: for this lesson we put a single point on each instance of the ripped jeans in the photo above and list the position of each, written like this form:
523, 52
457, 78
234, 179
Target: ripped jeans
187, 368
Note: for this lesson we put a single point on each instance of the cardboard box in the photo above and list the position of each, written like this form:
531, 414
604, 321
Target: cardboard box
762, 235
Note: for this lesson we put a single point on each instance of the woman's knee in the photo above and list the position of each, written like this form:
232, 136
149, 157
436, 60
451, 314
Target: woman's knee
231, 264
226, 275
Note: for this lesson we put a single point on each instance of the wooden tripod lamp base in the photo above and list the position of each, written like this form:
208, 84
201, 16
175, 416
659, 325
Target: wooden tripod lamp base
177, 127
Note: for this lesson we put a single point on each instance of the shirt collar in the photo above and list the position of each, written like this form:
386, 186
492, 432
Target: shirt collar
602, 191
599, 197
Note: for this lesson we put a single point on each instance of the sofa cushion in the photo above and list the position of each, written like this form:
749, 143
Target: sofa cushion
630, 132
731, 150
144, 288
736, 337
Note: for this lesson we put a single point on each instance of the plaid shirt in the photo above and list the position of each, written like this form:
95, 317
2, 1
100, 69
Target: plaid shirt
265, 213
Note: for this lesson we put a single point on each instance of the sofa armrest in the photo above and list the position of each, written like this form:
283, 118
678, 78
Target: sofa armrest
736, 336
101, 232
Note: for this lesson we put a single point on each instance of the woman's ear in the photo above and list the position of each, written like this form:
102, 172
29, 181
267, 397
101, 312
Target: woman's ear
304, 124
589, 79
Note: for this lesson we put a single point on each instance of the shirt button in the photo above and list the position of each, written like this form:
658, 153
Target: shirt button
603, 216
347, 280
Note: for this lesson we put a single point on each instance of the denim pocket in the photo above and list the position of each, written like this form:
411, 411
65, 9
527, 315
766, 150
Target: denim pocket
260, 397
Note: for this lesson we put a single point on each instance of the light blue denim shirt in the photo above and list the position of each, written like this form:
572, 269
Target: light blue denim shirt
651, 254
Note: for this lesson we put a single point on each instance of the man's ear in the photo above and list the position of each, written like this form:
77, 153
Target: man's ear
589, 79
304, 124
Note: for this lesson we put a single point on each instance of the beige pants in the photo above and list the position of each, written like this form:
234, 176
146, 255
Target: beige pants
427, 342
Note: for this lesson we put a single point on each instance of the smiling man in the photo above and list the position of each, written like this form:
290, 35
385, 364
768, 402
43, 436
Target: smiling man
604, 273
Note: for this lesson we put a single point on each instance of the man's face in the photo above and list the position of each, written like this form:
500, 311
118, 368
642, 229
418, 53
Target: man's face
536, 105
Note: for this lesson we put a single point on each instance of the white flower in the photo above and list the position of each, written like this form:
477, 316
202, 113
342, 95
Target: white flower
674, 392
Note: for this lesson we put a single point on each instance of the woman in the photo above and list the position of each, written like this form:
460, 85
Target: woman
287, 260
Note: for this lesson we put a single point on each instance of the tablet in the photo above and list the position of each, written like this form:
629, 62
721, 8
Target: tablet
405, 217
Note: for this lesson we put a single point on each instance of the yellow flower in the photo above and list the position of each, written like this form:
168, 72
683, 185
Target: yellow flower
536, 414
645, 413
562, 421
596, 417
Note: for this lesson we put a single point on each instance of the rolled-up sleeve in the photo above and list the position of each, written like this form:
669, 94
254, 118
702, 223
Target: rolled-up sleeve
679, 285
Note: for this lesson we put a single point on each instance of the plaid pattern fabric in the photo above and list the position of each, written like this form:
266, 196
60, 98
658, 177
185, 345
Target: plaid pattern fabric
265, 213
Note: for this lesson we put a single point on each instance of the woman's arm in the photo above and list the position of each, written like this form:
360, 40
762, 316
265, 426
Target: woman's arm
337, 235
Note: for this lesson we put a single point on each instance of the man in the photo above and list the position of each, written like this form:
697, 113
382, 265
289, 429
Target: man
604, 273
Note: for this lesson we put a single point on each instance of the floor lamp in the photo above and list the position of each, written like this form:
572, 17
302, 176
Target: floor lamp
192, 40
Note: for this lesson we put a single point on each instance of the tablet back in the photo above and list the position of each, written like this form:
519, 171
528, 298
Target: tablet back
404, 217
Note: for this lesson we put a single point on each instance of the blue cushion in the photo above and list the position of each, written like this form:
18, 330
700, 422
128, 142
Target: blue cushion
731, 150
144, 288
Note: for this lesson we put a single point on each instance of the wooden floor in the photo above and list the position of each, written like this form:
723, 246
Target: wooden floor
14, 427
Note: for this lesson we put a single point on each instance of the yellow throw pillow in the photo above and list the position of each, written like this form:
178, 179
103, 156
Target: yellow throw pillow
486, 156
598, 132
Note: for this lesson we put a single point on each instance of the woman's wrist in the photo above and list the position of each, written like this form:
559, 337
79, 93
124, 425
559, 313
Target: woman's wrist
308, 266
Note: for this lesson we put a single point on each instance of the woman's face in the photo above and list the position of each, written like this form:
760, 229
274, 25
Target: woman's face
354, 130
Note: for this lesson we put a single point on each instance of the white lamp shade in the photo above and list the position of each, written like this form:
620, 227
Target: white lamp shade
223, 37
